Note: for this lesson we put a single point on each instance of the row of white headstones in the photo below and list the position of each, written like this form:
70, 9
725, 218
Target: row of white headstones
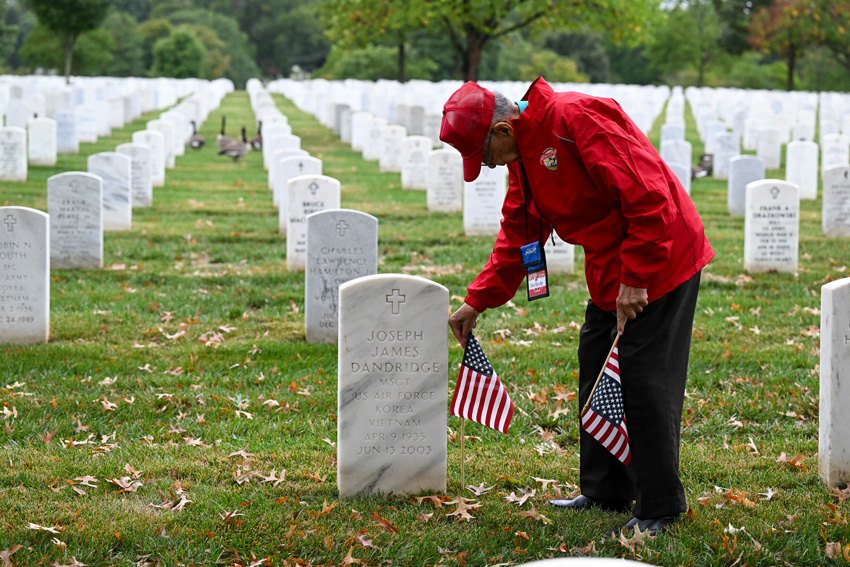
81, 206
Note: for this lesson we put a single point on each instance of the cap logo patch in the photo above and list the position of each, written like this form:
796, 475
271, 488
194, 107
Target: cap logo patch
549, 159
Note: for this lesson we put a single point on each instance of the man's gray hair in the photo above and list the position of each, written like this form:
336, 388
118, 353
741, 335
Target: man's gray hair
503, 109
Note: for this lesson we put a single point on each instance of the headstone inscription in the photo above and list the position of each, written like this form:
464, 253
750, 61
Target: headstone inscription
342, 245
115, 170
836, 202
140, 166
25, 278
393, 383
75, 206
13, 154
482, 202
307, 194
743, 170
445, 181
834, 420
771, 226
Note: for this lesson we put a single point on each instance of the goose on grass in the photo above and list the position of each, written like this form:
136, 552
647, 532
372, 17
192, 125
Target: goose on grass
236, 148
196, 141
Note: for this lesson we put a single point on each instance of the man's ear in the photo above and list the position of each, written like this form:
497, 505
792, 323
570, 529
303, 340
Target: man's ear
503, 128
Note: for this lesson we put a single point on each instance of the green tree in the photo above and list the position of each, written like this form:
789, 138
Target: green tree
151, 32
736, 16
139, 9
23, 22
180, 55
688, 39
68, 20
833, 20
785, 29
128, 53
585, 49
92, 51
371, 63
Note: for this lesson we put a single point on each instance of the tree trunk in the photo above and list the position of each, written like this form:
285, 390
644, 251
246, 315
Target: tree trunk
69, 54
792, 60
401, 77
474, 47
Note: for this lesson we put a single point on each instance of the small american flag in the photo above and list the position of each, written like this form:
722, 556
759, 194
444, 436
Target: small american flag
605, 419
479, 395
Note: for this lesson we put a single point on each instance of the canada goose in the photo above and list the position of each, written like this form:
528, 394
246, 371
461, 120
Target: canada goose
257, 141
196, 142
221, 139
236, 148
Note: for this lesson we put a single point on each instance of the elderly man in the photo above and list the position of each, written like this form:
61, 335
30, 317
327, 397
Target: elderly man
578, 165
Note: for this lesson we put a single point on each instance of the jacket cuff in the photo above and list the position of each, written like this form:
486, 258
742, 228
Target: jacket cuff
628, 280
475, 303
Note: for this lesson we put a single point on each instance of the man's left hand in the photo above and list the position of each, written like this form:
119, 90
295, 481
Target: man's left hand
630, 302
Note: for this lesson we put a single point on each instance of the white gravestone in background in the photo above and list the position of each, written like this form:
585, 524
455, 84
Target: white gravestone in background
769, 148
414, 165
835, 219
836, 151
156, 142
483, 200
833, 418
288, 168
801, 168
116, 172
13, 154
683, 174
17, 114
140, 167
772, 226
560, 255
166, 128
41, 141
87, 123
726, 146
278, 143
677, 151
342, 245
372, 141
359, 122
393, 383
392, 137
672, 132
25, 257
445, 181
116, 112
274, 162
75, 206
743, 170
306, 194
67, 138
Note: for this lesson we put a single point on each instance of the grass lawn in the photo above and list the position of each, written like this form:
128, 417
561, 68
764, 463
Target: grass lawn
178, 417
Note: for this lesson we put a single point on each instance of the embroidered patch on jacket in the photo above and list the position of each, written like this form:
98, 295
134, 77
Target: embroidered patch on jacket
549, 158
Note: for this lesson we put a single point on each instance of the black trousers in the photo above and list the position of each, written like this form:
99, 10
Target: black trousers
653, 354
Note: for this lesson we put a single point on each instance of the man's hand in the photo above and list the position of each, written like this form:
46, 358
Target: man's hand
462, 321
630, 302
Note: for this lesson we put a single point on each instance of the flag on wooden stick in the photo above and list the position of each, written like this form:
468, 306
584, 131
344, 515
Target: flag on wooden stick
604, 417
479, 395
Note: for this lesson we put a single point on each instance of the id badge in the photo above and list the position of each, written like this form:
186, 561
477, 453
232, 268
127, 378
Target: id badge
531, 254
538, 281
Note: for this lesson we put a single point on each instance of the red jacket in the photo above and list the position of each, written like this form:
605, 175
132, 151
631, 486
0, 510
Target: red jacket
597, 180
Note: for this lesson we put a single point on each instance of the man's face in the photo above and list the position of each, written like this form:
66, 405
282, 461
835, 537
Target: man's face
500, 146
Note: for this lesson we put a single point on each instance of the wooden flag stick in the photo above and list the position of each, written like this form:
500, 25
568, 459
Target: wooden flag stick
462, 459
601, 372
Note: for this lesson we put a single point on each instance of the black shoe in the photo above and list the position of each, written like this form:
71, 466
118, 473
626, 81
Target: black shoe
582, 502
651, 526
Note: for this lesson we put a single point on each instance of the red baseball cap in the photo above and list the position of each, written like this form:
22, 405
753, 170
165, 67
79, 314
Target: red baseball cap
467, 117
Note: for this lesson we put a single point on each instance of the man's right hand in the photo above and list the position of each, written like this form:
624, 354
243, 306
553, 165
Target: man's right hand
462, 321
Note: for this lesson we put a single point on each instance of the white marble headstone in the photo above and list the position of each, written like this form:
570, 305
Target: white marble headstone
743, 170
342, 245
115, 170
801, 168
445, 181
67, 138
560, 255
166, 128
769, 148
483, 200
17, 114
833, 417
393, 385
677, 151
140, 165
288, 168
13, 154
835, 218
392, 137
116, 112
155, 140
75, 206
87, 123
683, 174
836, 151
372, 140
307, 194
25, 278
358, 129
414, 165
772, 226
726, 146
41, 141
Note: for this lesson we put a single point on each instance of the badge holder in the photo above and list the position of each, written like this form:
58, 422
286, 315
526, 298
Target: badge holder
537, 276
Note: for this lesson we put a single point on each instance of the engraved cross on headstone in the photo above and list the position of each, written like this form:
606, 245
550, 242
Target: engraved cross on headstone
342, 226
300, 166
10, 222
313, 187
396, 299
775, 192
75, 185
